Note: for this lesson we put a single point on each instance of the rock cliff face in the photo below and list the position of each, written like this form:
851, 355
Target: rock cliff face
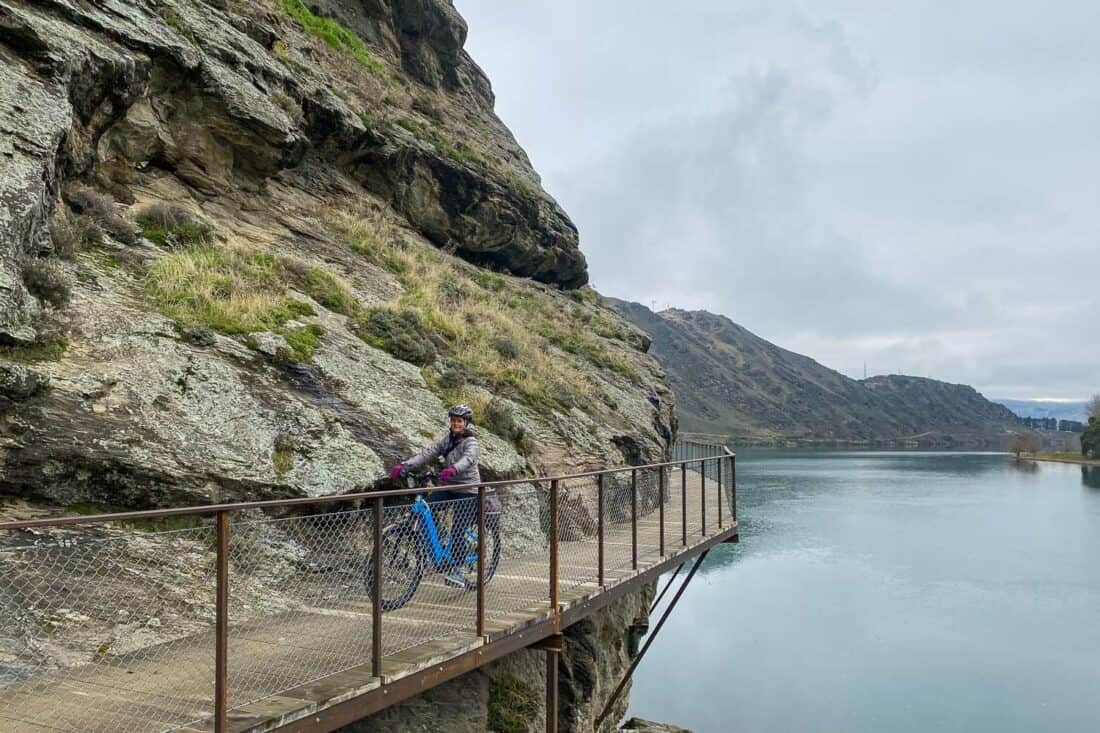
728, 380
252, 249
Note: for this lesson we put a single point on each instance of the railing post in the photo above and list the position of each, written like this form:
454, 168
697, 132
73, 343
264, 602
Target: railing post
221, 627
376, 601
718, 483
551, 692
661, 506
599, 526
554, 600
684, 502
703, 496
733, 486
634, 518
481, 561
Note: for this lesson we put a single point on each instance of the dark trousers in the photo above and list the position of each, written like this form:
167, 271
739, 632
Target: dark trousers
463, 509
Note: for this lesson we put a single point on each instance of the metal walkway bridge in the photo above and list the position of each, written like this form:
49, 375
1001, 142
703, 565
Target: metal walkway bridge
259, 616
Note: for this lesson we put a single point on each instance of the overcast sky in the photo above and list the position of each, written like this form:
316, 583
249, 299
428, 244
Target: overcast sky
913, 185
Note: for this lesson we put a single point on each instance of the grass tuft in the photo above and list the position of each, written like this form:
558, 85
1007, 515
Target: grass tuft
334, 34
233, 291
513, 704
172, 225
497, 334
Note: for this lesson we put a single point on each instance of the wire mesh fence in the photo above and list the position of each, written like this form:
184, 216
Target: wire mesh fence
99, 625
113, 627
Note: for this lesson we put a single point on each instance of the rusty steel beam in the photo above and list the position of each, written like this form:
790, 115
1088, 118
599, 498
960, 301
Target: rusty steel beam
600, 528
554, 597
718, 482
634, 520
221, 627
684, 501
667, 586
703, 497
551, 691
661, 505
553, 643
481, 561
213, 509
376, 601
349, 711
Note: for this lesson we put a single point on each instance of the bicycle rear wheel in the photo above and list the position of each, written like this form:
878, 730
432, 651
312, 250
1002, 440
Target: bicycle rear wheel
402, 565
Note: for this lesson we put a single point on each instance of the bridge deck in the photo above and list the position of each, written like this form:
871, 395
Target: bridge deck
328, 645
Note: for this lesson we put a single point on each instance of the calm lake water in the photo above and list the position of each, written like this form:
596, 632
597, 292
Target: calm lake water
890, 592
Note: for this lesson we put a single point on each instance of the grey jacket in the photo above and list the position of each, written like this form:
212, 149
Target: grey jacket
460, 451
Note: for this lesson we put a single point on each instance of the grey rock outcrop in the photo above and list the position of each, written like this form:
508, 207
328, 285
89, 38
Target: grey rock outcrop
192, 87
233, 112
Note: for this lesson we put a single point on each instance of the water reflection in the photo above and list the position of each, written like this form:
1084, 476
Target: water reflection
1024, 466
1090, 476
903, 592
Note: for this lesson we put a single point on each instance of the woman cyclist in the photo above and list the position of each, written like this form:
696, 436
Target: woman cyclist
460, 451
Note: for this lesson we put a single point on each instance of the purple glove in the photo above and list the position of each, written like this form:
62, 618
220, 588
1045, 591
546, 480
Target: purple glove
447, 474
395, 472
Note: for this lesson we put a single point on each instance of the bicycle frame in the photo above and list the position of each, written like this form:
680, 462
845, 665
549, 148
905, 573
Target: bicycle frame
441, 554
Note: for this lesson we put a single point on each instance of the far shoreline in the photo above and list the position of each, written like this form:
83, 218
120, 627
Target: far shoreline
1061, 458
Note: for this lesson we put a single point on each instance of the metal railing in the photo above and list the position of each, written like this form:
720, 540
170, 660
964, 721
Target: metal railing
157, 629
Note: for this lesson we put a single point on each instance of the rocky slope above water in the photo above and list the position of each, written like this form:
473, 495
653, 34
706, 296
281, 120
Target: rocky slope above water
253, 249
728, 380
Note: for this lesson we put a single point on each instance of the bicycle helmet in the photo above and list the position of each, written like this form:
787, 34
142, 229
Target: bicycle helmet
462, 411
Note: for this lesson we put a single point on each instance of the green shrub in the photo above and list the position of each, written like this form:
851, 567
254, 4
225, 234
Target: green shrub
46, 281
102, 210
282, 454
172, 225
489, 281
399, 332
322, 286
513, 704
409, 124
500, 420
303, 342
334, 34
50, 349
178, 24
290, 105
71, 233
506, 347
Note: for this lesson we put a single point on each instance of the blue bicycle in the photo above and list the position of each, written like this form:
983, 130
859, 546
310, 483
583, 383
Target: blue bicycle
412, 545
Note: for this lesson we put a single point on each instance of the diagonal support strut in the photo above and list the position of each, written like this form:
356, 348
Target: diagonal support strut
664, 617
667, 586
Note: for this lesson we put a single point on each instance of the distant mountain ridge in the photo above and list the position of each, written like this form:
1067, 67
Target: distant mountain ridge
1046, 408
729, 380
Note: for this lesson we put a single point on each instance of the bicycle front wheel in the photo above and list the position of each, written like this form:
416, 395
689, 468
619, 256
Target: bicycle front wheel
402, 565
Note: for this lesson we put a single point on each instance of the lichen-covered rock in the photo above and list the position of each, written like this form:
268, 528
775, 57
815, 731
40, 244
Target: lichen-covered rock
17, 382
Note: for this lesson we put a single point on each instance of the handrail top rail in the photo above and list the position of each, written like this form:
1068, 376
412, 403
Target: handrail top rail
206, 509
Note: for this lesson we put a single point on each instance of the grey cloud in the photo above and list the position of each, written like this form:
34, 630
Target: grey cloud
880, 182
